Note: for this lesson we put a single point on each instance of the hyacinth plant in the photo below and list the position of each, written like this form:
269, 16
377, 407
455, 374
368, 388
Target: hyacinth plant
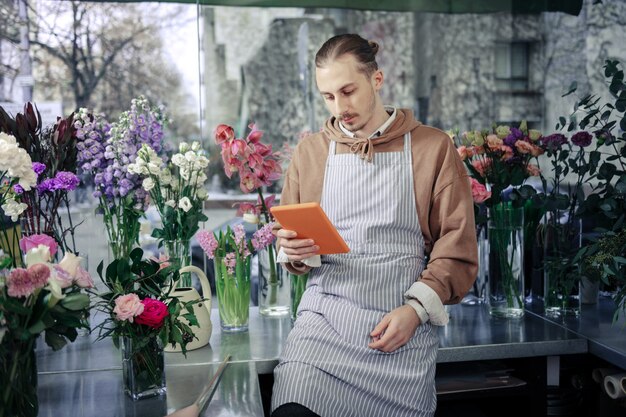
40, 297
178, 192
231, 253
105, 152
53, 152
257, 166
140, 308
16, 171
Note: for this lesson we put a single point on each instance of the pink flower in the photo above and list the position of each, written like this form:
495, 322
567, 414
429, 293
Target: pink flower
536, 151
224, 133
127, 307
23, 282
230, 260
479, 191
524, 147
248, 181
154, 313
240, 234
162, 260
533, 170
481, 165
462, 150
237, 147
63, 277
263, 237
245, 208
255, 135
33, 241
207, 242
494, 142
507, 152
83, 278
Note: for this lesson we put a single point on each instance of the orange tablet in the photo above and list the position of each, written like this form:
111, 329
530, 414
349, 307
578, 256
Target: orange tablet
309, 221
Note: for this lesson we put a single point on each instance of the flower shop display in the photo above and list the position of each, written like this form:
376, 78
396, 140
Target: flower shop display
231, 253
52, 150
105, 152
499, 162
257, 166
40, 297
143, 316
178, 192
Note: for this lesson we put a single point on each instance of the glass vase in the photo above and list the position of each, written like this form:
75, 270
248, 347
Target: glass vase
562, 239
18, 377
180, 251
506, 261
233, 293
143, 367
274, 296
298, 285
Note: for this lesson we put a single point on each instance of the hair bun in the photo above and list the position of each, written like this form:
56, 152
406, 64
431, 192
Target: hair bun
374, 46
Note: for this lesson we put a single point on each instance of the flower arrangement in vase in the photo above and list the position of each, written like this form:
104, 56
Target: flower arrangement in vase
105, 152
499, 161
257, 166
231, 252
41, 297
143, 316
178, 192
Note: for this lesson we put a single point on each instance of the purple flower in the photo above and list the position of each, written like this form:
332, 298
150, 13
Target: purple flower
513, 137
47, 185
38, 167
554, 141
66, 181
18, 189
582, 139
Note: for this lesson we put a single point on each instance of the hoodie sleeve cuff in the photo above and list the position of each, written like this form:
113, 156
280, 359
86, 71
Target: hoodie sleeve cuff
421, 294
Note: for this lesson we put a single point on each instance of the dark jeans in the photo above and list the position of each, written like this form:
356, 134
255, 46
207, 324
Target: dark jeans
293, 410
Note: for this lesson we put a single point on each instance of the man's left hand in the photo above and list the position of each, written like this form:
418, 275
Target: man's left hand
395, 329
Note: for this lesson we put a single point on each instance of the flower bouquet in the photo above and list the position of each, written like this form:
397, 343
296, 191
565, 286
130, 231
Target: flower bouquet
53, 152
257, 166
40, 297
144, 316
178, 192
499, 160
231, 253
105, 152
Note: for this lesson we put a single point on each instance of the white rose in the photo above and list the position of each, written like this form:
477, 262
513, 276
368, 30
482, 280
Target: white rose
202, 194
148, 184
191, 156
165, 177
56, 292
70, 263
179, 160
38, 255
202, 162
185, 204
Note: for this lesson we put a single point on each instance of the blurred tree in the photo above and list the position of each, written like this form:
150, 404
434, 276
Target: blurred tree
100, 56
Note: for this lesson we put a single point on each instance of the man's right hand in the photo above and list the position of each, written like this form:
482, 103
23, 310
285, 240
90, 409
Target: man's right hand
296, 249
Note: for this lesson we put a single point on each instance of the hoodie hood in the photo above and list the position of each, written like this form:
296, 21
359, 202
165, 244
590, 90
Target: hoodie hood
405, 122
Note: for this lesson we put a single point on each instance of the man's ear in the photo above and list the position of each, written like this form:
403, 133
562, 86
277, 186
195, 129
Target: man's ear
377, 79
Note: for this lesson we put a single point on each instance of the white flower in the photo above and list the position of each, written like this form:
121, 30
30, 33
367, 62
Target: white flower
171, 203
56, 292
202, 162
202, 194
13, 208
183, 147
251, 218
179, 160
165, 177
191, 156
70, 263
195, 146
38, 255
185, 204
148, 184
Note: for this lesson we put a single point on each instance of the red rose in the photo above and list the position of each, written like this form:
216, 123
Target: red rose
224, 133
154, 312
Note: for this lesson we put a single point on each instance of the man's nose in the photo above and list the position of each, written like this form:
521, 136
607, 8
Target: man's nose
340, 106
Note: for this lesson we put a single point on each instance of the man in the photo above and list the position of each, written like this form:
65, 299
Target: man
364, 342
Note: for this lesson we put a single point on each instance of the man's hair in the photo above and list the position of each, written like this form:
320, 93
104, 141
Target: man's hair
363, 50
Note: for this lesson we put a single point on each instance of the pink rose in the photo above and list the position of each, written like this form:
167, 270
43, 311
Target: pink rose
536, 151
223, 133
33, 241
533, 170
479, 191
64, 278
154, 312
83, 278
127, 307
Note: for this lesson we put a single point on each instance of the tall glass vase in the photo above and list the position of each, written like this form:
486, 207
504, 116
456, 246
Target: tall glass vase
143, 367
18, 377
298, 285
562, 239
274, 296
506, 261
180, 251
233, 294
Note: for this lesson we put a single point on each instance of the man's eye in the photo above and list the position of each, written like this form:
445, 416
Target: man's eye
347, 93
330, 98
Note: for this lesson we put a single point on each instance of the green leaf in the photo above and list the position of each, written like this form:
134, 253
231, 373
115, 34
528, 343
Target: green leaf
76, 301
573, 86
54, 340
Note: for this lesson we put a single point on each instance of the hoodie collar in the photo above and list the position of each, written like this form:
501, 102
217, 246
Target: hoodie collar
391, 111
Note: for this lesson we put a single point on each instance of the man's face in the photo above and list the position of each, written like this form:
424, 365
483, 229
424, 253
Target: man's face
349, 94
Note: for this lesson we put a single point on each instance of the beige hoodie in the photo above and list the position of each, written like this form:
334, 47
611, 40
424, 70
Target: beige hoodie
442, 195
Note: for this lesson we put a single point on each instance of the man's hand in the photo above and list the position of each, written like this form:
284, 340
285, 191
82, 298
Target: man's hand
395, 329
296, 249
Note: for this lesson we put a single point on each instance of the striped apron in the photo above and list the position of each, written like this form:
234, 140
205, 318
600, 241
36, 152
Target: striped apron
326, 364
